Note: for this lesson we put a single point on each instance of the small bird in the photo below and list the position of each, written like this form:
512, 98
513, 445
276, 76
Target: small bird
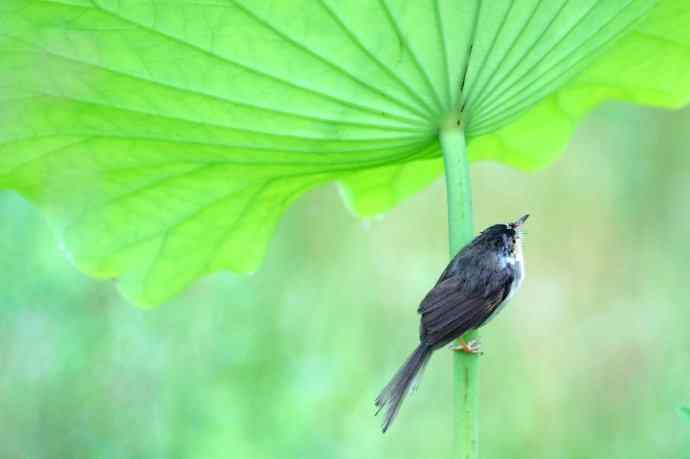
474, 287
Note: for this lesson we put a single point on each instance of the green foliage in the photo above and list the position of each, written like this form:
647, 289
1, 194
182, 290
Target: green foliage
686, 411
165, 139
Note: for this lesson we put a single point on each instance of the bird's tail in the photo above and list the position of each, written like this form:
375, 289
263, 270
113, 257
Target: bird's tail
392, 395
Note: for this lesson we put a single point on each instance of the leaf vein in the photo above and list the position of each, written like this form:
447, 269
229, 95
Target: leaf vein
228, 61
329, 63
413, 55
358, 43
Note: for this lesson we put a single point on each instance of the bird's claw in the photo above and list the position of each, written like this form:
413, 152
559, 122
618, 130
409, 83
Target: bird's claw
473, 347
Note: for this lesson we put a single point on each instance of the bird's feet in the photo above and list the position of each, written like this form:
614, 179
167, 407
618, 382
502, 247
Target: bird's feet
473, 347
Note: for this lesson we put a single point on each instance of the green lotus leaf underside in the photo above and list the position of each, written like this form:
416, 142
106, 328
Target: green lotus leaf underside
165, 138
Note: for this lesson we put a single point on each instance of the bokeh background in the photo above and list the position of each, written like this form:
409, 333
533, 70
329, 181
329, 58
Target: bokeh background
591, 359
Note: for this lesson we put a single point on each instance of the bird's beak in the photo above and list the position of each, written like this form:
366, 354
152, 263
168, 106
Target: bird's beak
518, 223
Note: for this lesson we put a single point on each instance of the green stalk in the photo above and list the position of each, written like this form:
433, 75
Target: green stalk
460, 232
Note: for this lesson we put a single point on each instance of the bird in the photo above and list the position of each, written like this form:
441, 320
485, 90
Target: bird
472, 290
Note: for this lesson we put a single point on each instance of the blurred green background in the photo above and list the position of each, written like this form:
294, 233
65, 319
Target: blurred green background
589, 361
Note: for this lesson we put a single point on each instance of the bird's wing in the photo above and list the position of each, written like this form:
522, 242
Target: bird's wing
451, 308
